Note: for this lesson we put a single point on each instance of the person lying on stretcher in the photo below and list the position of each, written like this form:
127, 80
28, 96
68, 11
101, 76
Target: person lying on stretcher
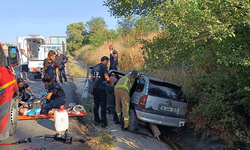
36, 112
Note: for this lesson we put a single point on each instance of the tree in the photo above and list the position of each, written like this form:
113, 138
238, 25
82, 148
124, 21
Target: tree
126, 23
98, 32
75, 36
215, 36
146, 24
112, 35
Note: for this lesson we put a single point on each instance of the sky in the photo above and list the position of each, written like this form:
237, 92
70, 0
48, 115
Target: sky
47, 17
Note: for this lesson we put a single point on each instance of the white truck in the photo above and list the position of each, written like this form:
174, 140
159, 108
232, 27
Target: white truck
37, 48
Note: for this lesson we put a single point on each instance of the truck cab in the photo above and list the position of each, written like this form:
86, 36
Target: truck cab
8, 92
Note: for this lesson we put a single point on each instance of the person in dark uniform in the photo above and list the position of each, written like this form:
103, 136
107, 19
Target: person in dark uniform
113, 58
56, 96
99, 74
22, 86
50, 66
62, 60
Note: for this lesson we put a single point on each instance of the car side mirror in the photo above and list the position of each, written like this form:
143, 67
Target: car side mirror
13, 59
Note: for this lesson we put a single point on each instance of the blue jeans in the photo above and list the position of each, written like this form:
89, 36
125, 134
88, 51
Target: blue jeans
62, 73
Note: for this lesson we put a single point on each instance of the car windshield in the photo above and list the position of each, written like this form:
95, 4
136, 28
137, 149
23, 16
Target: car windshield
165, 90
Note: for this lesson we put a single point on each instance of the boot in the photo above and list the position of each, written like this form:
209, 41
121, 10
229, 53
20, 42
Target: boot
122, 125
115, 118
26, 73
126, 123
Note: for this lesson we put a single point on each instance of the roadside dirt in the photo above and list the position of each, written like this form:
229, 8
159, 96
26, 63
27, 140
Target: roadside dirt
181, 139
112, 137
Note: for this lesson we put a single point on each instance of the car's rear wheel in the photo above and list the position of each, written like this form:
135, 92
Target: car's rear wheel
13, 115
133, 121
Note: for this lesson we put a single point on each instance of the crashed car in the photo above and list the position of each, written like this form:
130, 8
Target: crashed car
152, 100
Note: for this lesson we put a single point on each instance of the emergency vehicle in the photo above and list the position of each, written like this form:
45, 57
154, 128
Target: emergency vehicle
37, 48
8, 92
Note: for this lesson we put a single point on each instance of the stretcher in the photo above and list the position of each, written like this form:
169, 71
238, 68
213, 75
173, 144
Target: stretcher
25, 117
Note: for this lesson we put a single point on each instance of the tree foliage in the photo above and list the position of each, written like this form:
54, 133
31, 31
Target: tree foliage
98, 31
215, 36
126, 23
75, 36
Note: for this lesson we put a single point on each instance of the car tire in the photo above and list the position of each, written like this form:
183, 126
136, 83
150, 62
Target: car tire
13, 115
133, 121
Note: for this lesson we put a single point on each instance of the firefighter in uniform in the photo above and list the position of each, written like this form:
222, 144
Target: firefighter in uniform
122, 98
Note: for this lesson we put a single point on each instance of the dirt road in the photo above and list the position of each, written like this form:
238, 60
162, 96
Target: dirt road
31, 128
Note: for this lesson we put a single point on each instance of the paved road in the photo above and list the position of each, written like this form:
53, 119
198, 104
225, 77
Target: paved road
31, 128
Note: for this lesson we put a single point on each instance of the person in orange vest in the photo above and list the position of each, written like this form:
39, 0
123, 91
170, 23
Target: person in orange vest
122, 98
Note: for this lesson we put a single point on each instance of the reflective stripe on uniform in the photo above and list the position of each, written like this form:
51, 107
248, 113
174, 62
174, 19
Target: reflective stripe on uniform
118, 114
128, 109
7, 84
126, 118
124, 85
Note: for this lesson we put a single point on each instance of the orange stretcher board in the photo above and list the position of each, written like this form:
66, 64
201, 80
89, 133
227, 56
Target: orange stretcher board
82, 113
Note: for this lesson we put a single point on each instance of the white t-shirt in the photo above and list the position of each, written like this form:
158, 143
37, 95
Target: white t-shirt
24, 59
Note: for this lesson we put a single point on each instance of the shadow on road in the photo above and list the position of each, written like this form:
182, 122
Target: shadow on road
47, 123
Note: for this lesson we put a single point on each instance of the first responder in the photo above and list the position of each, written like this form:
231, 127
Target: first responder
122, 98
99, 74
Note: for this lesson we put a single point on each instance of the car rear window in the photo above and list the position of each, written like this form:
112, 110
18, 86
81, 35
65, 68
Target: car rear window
141, 84
165, 90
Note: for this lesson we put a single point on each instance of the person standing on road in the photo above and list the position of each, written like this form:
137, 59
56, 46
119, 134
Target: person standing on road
62, 60
122, 98
113, 58
24, 63
50, 66
99, 74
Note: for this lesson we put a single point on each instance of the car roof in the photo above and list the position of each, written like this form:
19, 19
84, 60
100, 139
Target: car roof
150, 78
155, 79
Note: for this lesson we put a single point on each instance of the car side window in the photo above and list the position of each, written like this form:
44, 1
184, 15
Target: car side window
141, 85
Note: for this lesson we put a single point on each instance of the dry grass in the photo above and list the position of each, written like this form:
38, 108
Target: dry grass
76, 69
178, 74
130, 58
105, 140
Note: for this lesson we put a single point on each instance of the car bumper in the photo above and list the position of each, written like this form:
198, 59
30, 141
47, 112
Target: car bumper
160, 119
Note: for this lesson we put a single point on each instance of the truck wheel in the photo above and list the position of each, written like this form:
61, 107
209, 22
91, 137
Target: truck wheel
13, 115
133, 121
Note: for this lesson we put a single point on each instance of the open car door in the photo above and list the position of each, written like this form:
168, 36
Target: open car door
88, 85
114, 76
13, 59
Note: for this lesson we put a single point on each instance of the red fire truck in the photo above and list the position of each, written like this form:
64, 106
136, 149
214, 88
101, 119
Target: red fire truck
8, 92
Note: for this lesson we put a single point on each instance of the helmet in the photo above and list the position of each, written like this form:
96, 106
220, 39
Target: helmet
111, 46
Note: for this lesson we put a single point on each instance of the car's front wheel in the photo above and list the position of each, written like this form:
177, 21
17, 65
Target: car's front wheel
133, 121
13, 115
